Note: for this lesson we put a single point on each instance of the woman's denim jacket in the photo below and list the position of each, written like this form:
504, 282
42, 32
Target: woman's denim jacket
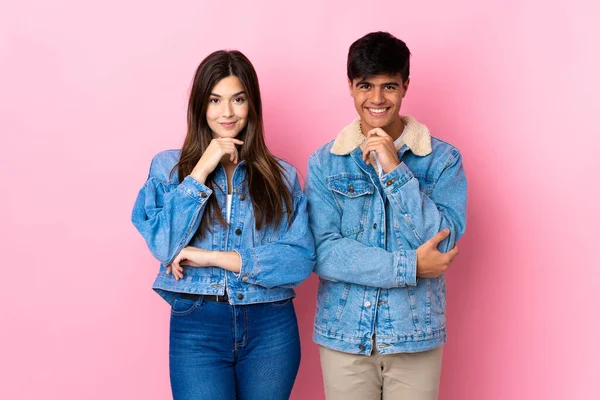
367, 229
168, 213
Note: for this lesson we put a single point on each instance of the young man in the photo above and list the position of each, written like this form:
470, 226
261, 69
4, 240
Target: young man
376, 194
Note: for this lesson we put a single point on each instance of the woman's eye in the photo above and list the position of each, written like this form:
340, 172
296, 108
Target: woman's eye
213, 100
239, 100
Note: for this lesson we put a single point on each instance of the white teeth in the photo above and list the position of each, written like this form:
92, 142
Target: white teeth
377, 110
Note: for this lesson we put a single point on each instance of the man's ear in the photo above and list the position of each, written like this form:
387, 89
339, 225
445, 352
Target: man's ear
405, 86
350, 85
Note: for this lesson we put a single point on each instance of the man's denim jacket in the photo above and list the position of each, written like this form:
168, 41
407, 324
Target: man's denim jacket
367, 229
168, 213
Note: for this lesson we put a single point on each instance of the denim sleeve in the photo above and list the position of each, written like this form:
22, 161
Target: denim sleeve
168, 216
420, 216
286, 262
343, 259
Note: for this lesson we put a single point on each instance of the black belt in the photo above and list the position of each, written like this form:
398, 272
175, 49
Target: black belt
206, 297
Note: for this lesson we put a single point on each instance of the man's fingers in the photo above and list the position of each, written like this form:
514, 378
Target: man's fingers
454, 251
371, 147
377, 132
441, 235
450, 255
378, 139
373, 144
378, 146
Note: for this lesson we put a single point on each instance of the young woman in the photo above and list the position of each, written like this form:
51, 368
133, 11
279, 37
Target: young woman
228, 222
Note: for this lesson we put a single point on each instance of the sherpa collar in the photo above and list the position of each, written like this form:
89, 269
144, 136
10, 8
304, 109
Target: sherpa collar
416, 137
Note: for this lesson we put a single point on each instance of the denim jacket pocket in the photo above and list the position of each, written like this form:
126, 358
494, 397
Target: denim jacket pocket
353, 194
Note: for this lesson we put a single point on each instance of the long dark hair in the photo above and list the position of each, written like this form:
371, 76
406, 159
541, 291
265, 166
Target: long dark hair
267, 188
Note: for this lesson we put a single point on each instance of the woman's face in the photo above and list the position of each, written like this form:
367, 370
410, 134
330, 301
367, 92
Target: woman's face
227, 111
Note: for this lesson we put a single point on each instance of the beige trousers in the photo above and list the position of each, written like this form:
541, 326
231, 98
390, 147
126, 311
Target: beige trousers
401, 376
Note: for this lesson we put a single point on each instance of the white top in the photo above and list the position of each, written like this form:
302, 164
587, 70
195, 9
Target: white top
396, 145
229, 198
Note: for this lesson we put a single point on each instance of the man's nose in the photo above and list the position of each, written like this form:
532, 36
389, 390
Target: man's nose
377, 96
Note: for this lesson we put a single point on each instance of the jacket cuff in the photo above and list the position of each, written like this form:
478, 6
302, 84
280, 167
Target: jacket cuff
407, 268
248, 270
396, 178
194, 189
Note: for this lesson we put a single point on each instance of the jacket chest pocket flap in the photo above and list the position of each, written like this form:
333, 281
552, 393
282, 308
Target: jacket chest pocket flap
353, 194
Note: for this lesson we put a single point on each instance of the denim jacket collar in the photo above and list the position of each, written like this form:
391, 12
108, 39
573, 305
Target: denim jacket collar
416, 137
239, 178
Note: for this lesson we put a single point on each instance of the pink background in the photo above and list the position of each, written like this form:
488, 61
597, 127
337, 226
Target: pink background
90, 91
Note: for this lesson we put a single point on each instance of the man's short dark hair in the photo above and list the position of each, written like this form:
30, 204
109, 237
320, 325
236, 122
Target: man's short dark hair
378, 53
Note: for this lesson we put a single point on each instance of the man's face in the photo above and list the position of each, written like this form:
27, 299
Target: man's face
378, 99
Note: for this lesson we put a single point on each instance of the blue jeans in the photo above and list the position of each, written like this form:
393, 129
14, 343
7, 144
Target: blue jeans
219, 352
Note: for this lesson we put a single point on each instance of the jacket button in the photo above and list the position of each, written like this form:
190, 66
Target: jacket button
361, 347
240, 296
245, 277
374, 226
238, 231
242, 197
368, 304
203, 195
389, 182
351, 189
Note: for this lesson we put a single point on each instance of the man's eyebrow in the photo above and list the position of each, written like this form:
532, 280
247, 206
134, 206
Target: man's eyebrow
235, 94
363, 81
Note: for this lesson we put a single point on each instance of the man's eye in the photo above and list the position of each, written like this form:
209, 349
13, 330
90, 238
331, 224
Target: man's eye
365, 86
390, 87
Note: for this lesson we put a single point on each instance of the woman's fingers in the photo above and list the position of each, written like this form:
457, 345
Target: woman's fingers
177, 269
179, 272
228, 146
